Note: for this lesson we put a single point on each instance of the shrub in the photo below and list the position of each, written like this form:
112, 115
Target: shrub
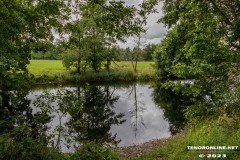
93, 151
28, 149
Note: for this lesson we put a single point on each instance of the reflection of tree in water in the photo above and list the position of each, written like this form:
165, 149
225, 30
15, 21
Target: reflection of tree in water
93, 121
173, 105
91, 113
137, 120
18, 120
57, 103
91, 109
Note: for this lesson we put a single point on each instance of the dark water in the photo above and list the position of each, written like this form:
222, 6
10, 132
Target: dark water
118, 114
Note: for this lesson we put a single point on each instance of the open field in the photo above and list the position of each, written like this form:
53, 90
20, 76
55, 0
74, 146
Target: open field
40, 67
53, 70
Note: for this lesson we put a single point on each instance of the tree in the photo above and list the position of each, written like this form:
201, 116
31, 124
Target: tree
70, 58
148, 52
48, 50
229, 22
127, 54
80, 31
137, 51
96, 48
119, 20
225, 14
23, 23
89, 42
100, 25
88, 37
42, 48
195, 59
146, 7
111, 54
56, 51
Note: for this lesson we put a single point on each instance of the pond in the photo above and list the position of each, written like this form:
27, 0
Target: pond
123, 114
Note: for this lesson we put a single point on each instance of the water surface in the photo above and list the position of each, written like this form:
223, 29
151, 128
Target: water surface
121, 114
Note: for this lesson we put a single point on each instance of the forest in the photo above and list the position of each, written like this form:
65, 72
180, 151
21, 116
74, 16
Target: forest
193, 75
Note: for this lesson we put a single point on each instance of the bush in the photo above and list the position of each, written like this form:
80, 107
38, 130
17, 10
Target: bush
28, 149
92, 151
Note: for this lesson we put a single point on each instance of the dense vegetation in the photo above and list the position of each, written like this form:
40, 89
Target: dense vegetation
198, 57
197, 63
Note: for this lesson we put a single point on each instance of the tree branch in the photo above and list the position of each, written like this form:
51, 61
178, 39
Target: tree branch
102, 5
217, 9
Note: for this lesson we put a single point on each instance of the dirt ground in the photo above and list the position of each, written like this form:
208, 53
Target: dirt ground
137, 150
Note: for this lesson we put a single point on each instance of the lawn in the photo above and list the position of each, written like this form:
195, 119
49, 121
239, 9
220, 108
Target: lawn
54, 69
40, 67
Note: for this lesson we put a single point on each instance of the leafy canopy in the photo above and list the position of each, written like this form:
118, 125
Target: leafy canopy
197, 55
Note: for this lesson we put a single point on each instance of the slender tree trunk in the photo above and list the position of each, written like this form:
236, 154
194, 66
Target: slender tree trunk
79, 58
136, 61
78, 67
136, 56
108, 65
85, 66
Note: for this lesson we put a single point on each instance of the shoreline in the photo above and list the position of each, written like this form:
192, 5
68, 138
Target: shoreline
143, 148
101, 77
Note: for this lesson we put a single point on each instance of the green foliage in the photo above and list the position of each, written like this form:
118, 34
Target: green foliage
47, 50
28, 149
22, 24
148, 52
88, 44
94, 34
117, 19
127, 54
195, 50
92, 151
69, 58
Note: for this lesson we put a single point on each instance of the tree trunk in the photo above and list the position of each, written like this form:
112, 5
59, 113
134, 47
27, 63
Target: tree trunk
108, 65
79, 62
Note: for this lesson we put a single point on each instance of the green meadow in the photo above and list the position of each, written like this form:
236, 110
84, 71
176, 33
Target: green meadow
41, 67
54, 71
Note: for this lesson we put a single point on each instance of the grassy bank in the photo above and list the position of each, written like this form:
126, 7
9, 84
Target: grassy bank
221, 131
53, 71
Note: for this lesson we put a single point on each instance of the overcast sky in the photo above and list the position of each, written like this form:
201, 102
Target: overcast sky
155, 32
